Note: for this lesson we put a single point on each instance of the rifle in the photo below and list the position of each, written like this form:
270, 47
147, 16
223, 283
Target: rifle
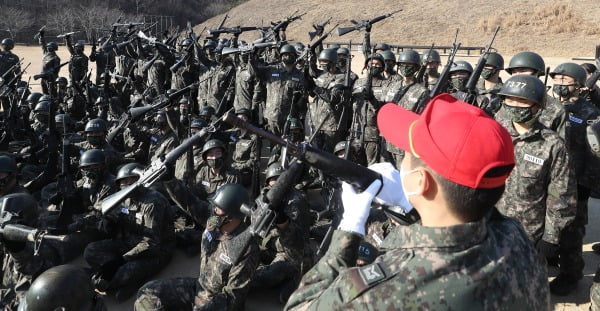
49, 72
470, 96
421, 73
234, 30
219, 26
65, 187
351, 135
10, 71
189, 163
547, 73
137, 113
279, 25
247, 48
68, 34
157, 169
313, 45
442, 82
39, 33
319, 28
358, 26
22, 233
185, 58
359, 176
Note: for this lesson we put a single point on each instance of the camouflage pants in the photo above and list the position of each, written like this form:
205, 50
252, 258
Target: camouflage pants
372, 152
281, 274
570, 251
169, 294
326, 140
101, 254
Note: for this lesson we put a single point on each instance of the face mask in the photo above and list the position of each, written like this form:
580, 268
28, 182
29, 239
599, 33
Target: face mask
296, 137
92, 174
562, 91
389, 68
215, 163
216, 222
183, 120
377, 71
521, 114
324, 67
407, 70
404, 192
459, 83
288, 59
486, 73
342, 63
42, 118
95, 140
432, 72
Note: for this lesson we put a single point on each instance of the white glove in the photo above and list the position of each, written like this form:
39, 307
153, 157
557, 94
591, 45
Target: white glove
391, 194
357, 207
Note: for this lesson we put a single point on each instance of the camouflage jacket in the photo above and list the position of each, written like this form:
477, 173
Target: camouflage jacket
219, 80
159, 77
181, 164
207, 181
50, 62
161, 145
136, 143
281, 85
245, 150
228, 262
330, 103
7, 60
541, 192
113, 157
367, 109
408, 97
285, 244
92, 193
482, 265
78, 67
247, 88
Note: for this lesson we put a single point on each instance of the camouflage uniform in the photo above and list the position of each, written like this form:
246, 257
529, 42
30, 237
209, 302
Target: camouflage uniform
7, 60
181, 164
281, 85
247, 88
367, 113
541, 190
137, 144
50, 63
105, 61
331, 105
488, 99
408, 97
159, 77
113, 157
78, 65
378, 227
487, 264
227, 264
219, 80
142, 243
161, 144
245, 156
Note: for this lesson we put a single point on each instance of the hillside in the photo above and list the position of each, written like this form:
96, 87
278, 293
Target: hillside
564, 28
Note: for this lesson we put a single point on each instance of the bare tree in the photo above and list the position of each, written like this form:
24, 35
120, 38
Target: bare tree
15, 20
62, 20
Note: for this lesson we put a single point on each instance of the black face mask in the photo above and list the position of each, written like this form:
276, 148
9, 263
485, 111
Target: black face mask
95, 140
296, 137
407, 70
215, 163
160, 124
92, 174
389, 68
42, 118
342, 63
562, 90
377, 71
288, 59
459, 83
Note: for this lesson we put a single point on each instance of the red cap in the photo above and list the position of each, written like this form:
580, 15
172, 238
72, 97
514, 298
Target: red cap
458, 141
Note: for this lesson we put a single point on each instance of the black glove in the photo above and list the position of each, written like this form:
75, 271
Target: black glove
546, 249
368, 27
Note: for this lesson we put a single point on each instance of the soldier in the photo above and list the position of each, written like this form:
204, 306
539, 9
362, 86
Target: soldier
198, 162
459, 75
8, 177
247, 87
7, 61
78, 65
553, 114
541, 190
216, 172
95, 138
22, 261
64, 287
245, 155
105, 60
142, 239
285, 89
406, 92
331, 104
389, 58
218, 84
164, 138
490, 83
228, 261
568, 79
481, 259
50, 65
432, 61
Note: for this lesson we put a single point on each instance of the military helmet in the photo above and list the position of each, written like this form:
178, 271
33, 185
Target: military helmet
207, 111
8, 43
198, 123
22, 206
52, 46
61, 119
287, 48
382, 46
495, 59
45, 98
572, 70
461, 65
7, 164
388, 55
274, 170
333, 46
209, 43
185, 42
79, 44
299, 46
92, 157
184, 100
295, 124
435, 56
96, 125
42, 106
524, 87
212, 144
527, 60
328, 55
129, 170
244, 111
21, 90
61, 80
340, 146
34, 97
374, 56
410, 57
230, 198
64, 287
343, 51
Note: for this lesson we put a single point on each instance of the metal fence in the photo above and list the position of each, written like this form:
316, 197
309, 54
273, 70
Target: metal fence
474, 51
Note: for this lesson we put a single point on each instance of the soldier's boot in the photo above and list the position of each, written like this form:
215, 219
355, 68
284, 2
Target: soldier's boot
563, 285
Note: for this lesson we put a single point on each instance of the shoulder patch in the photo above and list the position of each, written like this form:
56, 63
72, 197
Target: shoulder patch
371, 274
208, 235
575, 119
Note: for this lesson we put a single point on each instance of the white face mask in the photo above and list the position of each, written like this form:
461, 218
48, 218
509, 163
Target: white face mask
406, 193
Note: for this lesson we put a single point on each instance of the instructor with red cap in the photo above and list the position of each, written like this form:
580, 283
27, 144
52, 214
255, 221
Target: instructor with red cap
463, 255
